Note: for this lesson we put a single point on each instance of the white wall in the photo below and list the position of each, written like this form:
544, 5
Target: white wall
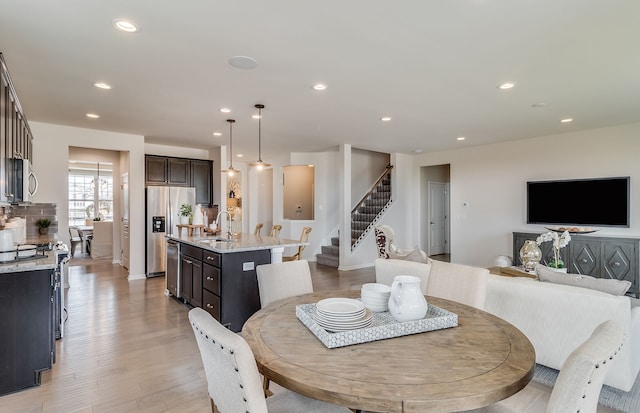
177, 151
366, 168
51, 158
492, 180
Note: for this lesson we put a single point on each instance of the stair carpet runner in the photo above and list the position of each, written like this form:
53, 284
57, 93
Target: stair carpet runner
330, 255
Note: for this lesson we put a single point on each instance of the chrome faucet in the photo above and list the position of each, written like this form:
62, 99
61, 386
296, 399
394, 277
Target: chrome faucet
229, 232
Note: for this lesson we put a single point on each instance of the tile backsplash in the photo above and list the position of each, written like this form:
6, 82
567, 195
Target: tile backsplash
32, 213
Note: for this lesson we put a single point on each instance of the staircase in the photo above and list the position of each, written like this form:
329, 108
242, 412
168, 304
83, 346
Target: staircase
370, 208
368, 211
330, 254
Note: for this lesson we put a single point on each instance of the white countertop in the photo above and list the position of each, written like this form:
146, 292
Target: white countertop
41, 263
239, 242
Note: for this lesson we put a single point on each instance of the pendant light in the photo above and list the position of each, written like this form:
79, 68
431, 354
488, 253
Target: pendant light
259, 164
231, 171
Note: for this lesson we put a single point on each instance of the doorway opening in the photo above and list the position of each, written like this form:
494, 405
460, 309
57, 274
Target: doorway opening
435, 214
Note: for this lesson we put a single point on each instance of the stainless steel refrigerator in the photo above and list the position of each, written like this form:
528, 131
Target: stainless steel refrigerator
162, 205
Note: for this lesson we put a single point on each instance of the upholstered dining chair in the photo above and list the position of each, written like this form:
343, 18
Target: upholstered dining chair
283, 280
275, 231
258, 229
74, 240
579, 383
233, 380
457, 282
304, 237
387, 247
102, 239
279, 281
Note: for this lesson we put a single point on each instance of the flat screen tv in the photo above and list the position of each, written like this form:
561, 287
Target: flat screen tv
597, 202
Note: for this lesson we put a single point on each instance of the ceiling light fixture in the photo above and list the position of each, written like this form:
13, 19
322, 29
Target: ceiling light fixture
239, 155
93, 115
225, 110
243, 62
260, 165
506, 85
217, 134
566, 120
385, 118
319, 86
102, 85
460, 138
125, 26
230, 171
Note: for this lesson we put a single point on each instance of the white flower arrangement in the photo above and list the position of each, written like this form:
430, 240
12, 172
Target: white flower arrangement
559, 241
233, 188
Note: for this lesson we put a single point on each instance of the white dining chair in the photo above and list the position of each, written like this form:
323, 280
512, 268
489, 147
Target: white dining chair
457, 282
102, 239
579, 383
283, 280
233, 380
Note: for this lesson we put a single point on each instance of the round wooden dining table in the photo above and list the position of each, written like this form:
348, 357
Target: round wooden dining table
481, 361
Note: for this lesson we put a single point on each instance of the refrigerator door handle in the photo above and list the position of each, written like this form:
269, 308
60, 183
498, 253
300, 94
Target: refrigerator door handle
169, 227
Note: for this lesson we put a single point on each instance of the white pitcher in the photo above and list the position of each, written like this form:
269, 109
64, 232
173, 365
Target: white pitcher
407, 302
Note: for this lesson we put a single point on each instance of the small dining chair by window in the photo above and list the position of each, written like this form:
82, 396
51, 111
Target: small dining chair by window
258, 229
75, 239
233, 380
579, 382
102, 239
275, 231
304, 237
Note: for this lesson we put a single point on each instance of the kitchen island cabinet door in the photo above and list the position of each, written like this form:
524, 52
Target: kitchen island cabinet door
27, 324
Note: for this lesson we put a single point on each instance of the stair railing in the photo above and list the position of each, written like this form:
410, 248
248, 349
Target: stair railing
362, 202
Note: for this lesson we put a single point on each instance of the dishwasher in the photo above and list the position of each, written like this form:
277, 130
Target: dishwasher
173, 269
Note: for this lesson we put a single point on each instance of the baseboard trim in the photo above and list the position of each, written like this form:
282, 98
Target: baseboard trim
133, 277
354, 267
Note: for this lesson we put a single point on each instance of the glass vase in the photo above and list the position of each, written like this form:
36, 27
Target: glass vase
530, 255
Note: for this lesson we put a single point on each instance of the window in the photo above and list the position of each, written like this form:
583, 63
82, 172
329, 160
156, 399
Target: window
90, 186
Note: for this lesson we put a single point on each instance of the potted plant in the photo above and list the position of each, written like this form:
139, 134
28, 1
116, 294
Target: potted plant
559, 241
185, 213
43, 225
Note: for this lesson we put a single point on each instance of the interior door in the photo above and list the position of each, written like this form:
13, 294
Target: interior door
437, 218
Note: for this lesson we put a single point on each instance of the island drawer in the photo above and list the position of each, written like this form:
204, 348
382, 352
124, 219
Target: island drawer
211, 258
193, 252
211, 278
211, 304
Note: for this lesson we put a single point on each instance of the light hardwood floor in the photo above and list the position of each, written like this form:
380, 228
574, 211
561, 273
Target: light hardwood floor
129, 348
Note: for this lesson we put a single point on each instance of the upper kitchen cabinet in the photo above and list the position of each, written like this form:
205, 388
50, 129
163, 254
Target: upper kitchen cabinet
16, 141
201, 180
170, 171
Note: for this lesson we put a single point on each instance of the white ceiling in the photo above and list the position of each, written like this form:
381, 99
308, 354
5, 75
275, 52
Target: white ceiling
433, 66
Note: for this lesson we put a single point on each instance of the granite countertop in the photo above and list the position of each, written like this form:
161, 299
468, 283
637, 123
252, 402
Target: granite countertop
239, 242
31, 264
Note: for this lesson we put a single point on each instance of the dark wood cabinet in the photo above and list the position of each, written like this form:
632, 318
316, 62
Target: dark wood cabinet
178, 172
600, 257
16, 141
191, 275
27, 346
155, 170
201, 179
170, 171
229, 285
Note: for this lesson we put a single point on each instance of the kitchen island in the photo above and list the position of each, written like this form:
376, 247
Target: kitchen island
219, 274
27, 289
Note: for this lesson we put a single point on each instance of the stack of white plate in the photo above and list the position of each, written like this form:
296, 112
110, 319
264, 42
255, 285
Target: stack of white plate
342, 314
375, 296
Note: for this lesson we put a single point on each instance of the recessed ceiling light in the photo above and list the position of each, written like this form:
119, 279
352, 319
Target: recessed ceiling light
125, 26
217, 134
506, 85
93, 115
225, 110
319, 86
310, 165
243, 62
255, 116
102, 85
385, 118
460, 138
240, 155
539, 105
417, 150
566, 120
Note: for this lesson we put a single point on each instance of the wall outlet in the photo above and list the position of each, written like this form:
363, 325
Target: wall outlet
248, 266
